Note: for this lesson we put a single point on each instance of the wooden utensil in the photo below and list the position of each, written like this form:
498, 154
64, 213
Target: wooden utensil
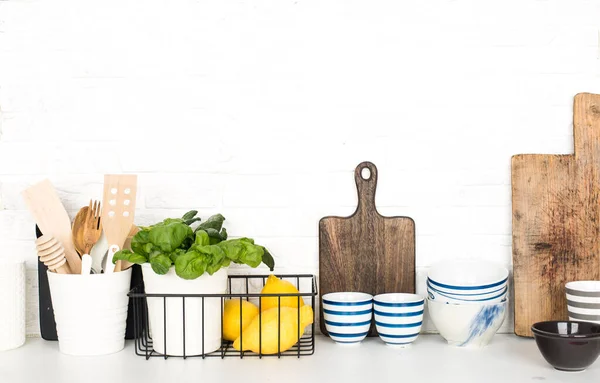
366, 252
119, 209
127, 245
52, 219
77, 229
556, 220
52, 254
87, 227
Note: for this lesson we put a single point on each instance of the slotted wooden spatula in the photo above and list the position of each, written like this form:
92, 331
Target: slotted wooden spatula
118, 210
52, 219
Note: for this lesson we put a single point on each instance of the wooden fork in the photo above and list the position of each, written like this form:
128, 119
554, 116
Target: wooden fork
92, 226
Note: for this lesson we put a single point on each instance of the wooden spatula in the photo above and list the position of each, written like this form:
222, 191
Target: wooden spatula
52, 219
118, 210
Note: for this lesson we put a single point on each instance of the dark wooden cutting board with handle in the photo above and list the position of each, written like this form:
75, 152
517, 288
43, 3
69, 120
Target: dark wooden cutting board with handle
366, 252
556, 220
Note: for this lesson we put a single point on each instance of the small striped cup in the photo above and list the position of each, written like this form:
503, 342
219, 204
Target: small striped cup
399, 317
583, 301
347, 316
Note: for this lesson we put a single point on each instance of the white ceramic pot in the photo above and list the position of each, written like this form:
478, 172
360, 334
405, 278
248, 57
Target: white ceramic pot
12, 297
467, 325
172, 342
90, 311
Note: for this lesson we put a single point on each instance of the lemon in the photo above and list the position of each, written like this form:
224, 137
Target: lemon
275, 285
269, 326
232, 327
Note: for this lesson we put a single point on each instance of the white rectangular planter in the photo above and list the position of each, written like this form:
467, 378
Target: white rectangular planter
90, 311
197, 317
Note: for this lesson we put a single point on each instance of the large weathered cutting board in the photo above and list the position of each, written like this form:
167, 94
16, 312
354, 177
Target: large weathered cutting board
556, 220
366, 252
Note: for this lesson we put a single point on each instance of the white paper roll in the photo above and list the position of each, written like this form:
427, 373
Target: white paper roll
12, 304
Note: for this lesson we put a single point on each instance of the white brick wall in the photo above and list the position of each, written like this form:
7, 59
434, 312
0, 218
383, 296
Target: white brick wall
262, 109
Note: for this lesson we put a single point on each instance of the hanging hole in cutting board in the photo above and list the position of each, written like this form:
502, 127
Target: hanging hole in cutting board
365, 173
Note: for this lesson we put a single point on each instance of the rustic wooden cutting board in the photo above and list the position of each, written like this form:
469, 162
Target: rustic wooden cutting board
366, 252
556, 220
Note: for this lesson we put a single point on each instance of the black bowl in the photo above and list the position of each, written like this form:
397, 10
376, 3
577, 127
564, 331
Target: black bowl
568, 345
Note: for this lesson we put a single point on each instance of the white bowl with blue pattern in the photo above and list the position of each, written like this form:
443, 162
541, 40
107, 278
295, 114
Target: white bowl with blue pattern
466, 297
470, 325
347, 316
398, 317
467, 277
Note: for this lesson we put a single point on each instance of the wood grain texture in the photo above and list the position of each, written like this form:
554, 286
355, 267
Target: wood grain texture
118, 209
556, 220
52, 218
366, 252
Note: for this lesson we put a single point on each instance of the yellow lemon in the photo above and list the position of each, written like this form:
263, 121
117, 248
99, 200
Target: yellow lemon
269, 326
275, 285
232, 327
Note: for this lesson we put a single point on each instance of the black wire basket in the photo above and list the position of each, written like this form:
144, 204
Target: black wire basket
240, 287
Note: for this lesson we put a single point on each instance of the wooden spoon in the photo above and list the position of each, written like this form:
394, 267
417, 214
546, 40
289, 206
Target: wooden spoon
87, 227
78, 229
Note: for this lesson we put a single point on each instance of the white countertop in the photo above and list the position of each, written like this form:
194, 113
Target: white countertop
507, 359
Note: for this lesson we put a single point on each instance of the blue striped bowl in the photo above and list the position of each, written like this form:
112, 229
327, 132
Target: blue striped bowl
398, 317
467, 277
347, 316
466, 297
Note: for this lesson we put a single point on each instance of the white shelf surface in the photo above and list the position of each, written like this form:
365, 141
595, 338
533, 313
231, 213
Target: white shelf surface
507, 359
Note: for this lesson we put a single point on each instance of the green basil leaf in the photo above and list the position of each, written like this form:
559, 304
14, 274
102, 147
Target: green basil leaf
213, 268
243, 251
129, 256
213, 222
202, 238
191, 265
189, 215
148, 248
215, 236
168, 221
160, 264
170, 236
176, 254
190, 221
252, 254
139, 241
232, 249
268, 260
